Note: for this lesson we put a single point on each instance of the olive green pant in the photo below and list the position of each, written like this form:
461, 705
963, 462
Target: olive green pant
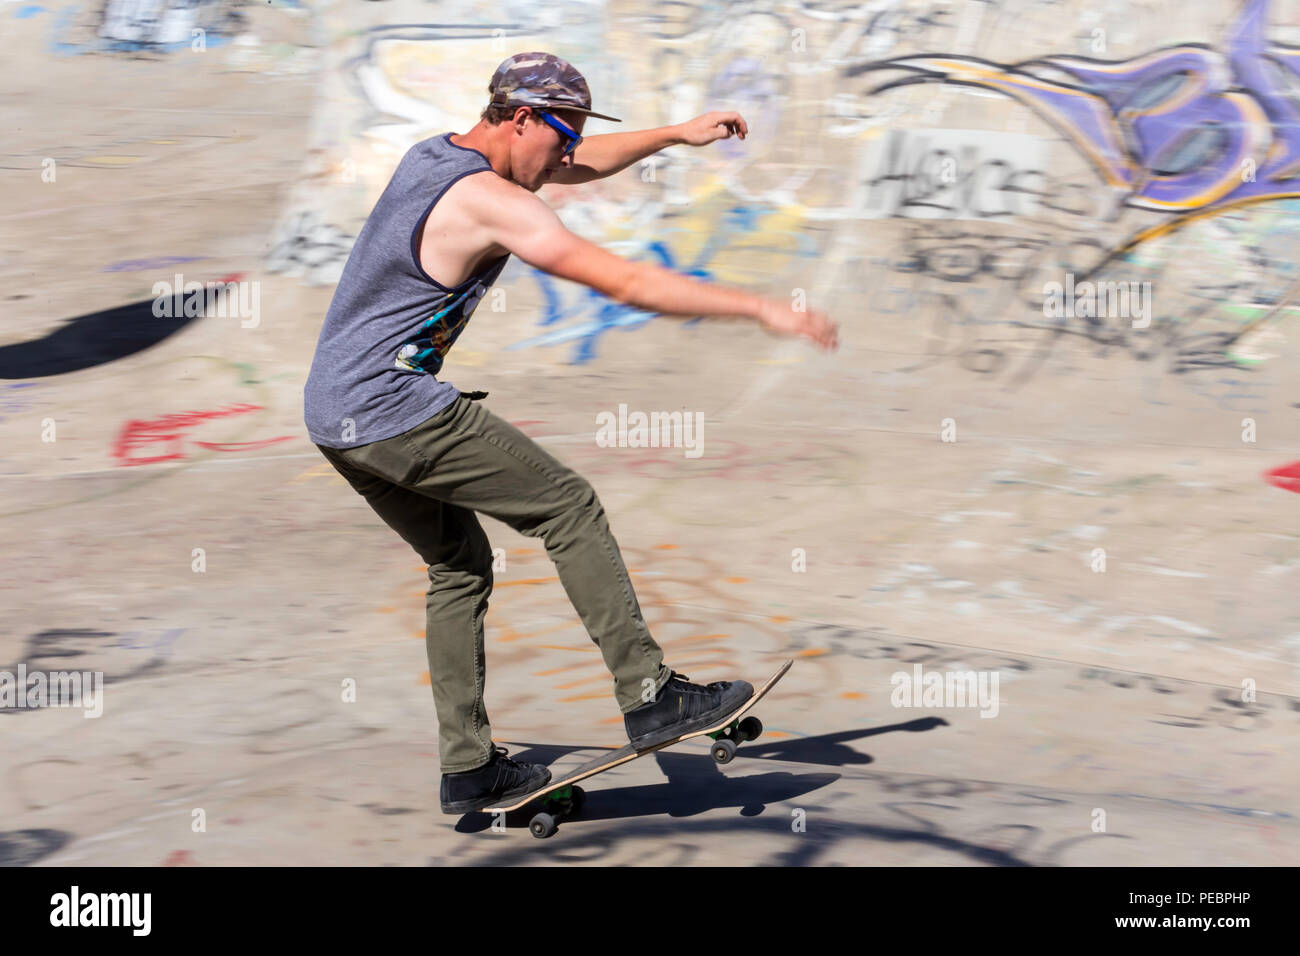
426, 485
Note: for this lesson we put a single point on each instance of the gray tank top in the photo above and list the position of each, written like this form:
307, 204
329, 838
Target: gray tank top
390, 324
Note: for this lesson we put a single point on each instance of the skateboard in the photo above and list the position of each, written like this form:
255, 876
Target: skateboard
564, 798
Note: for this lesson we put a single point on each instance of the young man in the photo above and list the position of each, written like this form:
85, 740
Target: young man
426, 457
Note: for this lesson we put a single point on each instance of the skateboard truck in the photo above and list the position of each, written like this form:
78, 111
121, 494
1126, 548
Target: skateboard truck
561, 803
726, 740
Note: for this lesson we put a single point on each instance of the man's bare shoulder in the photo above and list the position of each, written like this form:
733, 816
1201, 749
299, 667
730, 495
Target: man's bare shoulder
487, 197
506, 217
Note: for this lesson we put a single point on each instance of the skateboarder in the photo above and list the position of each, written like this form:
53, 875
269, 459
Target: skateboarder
426, 456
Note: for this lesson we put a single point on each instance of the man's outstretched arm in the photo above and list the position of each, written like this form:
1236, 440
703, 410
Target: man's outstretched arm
608, 153
519, 221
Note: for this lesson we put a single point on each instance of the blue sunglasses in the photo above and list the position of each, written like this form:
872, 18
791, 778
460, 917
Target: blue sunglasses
571, 135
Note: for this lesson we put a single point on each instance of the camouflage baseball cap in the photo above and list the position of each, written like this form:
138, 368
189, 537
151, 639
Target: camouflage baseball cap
541, 80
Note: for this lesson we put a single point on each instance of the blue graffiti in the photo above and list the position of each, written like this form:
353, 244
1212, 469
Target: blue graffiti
600, 314
133, 25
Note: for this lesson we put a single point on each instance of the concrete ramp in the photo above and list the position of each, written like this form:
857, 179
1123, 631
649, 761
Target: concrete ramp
1032, 535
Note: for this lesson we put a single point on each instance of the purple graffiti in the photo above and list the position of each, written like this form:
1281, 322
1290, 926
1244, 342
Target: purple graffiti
1185, 129
143, 265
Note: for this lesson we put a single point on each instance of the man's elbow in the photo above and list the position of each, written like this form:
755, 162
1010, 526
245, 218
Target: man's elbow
628, 286
614, 277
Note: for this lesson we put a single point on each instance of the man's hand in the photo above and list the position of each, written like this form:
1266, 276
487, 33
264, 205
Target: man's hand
776, 315
712, 126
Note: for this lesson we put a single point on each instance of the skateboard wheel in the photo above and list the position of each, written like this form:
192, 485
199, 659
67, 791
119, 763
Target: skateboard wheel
723, 751
542, 825
751, 727
578, 799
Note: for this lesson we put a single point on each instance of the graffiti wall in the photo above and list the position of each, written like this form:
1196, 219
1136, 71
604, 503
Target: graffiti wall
162, 22
954, 162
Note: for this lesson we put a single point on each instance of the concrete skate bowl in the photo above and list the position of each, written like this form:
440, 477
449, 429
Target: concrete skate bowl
1056, 444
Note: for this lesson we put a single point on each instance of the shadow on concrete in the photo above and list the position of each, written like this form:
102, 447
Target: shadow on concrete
86, 341
696, 784
25, 847
829, 750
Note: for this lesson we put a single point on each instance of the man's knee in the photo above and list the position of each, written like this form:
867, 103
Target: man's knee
479, 561
576, 504
470, 556
579, 501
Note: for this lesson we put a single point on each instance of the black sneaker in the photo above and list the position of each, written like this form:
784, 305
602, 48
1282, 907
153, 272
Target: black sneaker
681, 708
500, 780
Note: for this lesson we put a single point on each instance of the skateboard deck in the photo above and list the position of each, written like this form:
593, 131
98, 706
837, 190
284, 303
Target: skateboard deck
565, 799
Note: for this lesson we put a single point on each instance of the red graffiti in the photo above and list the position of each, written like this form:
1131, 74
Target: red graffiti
1285, 476
180, 858
523, 424
241, 445
170, 431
